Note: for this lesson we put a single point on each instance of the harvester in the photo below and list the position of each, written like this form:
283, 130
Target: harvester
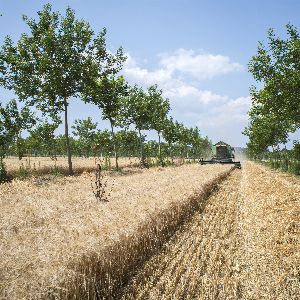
222, 153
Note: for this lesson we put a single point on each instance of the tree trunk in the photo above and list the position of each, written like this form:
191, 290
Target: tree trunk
115, 143
142, 149
70, 171
19, 146
171, 153
159, 149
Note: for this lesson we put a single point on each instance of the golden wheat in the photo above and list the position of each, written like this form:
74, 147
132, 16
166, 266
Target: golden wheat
44, 165
244, 245
243, 242
58, 241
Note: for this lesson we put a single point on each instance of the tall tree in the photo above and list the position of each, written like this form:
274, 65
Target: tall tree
6, 132
170, 135
266, 131
160, 109
136, 110
276, 65
103, 142
128, 141
55, 62
107, 94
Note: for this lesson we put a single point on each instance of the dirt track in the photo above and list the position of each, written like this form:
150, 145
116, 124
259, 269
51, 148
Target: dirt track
244, 245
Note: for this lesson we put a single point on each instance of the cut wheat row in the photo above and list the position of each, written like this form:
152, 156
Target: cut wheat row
244, 245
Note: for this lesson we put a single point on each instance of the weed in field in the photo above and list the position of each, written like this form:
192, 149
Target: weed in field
24, 171
99, 185
56, 171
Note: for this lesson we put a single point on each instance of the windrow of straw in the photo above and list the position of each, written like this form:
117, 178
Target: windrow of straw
199, 261
58, 241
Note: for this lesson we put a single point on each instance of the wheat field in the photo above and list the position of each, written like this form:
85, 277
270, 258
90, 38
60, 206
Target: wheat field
245, 244
45, 165
188, 232
57, 240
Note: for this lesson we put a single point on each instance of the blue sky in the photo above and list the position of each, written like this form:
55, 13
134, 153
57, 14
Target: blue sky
196, 51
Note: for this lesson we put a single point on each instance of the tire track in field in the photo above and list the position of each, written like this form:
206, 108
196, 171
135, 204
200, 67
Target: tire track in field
199, 262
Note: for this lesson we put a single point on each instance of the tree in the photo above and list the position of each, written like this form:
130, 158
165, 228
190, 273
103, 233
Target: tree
276, 66
159, 112
103, 142
85, 130
200, 146
128, 141
56, 61
42, 137
136, 110
6, 132
107, 94
264, 131
17, 120
170, 134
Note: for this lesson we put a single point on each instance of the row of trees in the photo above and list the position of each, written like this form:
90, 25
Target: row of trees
88, 140
61, 59
275, 111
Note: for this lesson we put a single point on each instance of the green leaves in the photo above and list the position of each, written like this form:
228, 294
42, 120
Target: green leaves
85, 131
275, 110
107, 93
160, 108
12, 122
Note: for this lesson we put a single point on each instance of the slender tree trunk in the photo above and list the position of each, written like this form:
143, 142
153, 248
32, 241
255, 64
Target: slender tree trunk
19, 146
141, 149
70, 171
171, 153
115, 143
159, 149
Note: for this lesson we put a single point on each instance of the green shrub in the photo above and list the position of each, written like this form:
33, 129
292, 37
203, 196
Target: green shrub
294, 167
284, 164
3, 172
23, 172
56, 171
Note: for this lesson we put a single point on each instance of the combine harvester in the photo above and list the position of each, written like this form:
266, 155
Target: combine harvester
222, 153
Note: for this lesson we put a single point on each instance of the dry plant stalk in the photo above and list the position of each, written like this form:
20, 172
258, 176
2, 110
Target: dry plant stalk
99, 185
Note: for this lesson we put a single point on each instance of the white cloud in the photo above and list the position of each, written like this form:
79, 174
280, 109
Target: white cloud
184, 62
229, 114
226, 121
201, 66
218, 116
144, 76
193, 95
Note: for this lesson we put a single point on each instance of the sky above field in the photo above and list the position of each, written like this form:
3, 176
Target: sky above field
196, 51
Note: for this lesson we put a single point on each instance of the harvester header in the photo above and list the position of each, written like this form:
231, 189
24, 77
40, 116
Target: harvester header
222, 153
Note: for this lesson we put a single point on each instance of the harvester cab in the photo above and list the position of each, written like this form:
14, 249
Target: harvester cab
222, 153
